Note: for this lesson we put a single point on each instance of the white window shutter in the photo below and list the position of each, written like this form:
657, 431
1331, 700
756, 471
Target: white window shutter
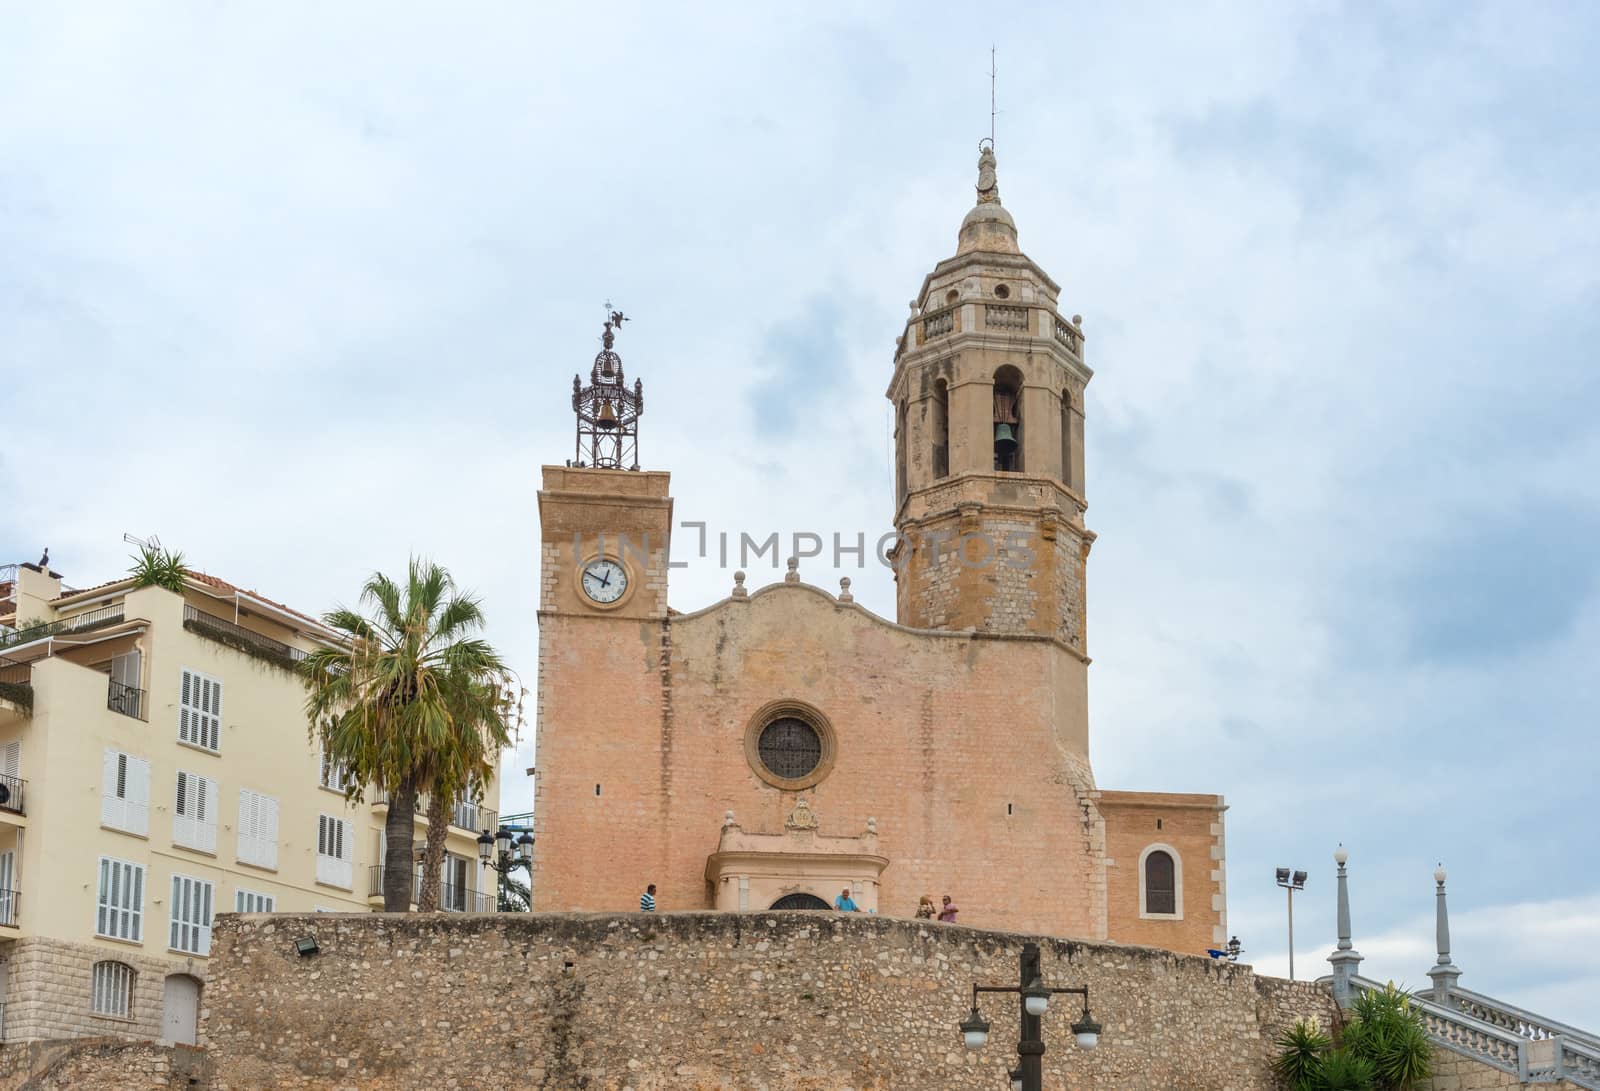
208, 827
267, 832
137, 790
200, 710
213, 708
11, 763
113, 808
249, 810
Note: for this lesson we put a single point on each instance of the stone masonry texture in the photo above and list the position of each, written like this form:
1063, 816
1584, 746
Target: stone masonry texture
687, 1001
699, 1001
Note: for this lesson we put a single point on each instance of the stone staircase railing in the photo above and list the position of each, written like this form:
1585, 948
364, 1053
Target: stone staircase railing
1533, 1049
1549, 1057
1524, 1024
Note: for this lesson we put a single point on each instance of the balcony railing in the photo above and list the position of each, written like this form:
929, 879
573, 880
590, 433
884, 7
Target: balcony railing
452, 898
77, 623
12, 790
125, 699
240, 639
471, 817
10, 907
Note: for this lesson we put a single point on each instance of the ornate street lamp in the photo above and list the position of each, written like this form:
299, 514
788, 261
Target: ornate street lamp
1035, 997
503, 849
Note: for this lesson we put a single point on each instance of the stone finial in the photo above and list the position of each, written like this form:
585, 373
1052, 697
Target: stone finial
793, 575
988, 186
1444, 973
844, 590
727, 818
872, 825
738, 586
1077, 320
1345, 958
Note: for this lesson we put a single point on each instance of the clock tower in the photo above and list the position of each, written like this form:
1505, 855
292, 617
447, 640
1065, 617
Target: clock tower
603, 635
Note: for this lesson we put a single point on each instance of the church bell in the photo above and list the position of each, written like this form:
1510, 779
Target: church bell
1005, 441
608, 416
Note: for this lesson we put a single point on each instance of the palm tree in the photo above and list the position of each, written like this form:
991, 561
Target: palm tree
393, 704
479, 732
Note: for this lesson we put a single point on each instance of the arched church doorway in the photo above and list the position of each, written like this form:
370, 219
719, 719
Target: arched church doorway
180, 1008
800, 901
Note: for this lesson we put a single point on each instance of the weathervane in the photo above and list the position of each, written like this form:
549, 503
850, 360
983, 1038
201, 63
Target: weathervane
608, 412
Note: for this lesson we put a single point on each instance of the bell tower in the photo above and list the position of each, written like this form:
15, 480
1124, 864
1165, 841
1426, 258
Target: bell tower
988, 399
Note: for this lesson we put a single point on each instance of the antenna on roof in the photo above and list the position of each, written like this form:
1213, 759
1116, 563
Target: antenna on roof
152, 542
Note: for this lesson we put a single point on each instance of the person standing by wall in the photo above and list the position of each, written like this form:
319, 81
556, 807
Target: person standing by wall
949, 911
647, 900
844, 903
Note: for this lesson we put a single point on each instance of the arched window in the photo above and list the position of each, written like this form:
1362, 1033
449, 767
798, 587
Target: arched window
800, 901
941, 429
111, 989
1008, 419
1066, 438
1160, 883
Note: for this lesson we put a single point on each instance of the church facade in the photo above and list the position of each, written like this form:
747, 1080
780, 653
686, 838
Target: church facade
784, 745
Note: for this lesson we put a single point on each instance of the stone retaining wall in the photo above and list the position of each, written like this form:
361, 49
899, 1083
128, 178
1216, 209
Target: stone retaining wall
733, 1002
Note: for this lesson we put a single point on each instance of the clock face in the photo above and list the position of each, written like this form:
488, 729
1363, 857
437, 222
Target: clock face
604, 580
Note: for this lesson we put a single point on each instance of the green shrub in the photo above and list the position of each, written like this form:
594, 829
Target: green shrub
1383, 1047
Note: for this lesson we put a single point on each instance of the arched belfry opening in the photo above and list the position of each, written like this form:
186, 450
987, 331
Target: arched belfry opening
941, 429
1008, 419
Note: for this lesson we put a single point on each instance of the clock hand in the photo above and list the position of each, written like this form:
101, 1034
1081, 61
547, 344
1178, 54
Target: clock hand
607, 581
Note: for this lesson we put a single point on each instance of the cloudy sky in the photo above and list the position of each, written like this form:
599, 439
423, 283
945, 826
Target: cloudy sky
302, 288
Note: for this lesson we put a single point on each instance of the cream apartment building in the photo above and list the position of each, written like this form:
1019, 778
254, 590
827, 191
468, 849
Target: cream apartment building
155, 771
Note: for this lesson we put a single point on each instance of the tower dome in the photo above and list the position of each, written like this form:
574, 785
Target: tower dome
988, 226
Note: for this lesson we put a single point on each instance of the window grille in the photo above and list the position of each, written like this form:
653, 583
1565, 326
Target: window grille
248, 901
790, 748
111, 989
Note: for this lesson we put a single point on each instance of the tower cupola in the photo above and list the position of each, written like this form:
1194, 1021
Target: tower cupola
988, 398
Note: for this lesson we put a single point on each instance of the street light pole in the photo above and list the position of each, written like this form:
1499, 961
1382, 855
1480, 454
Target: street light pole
1291, 883
1035, 996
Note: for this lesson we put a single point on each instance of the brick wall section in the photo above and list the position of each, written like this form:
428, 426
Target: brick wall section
1189, 825
982, 737
699, 1001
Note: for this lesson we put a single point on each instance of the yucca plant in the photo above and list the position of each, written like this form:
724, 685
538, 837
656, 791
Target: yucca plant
1388, 1031
154, 567
1300, 1050
1342, 1071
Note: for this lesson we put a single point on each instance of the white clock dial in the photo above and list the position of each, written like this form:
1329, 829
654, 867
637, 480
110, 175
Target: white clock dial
604, 581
